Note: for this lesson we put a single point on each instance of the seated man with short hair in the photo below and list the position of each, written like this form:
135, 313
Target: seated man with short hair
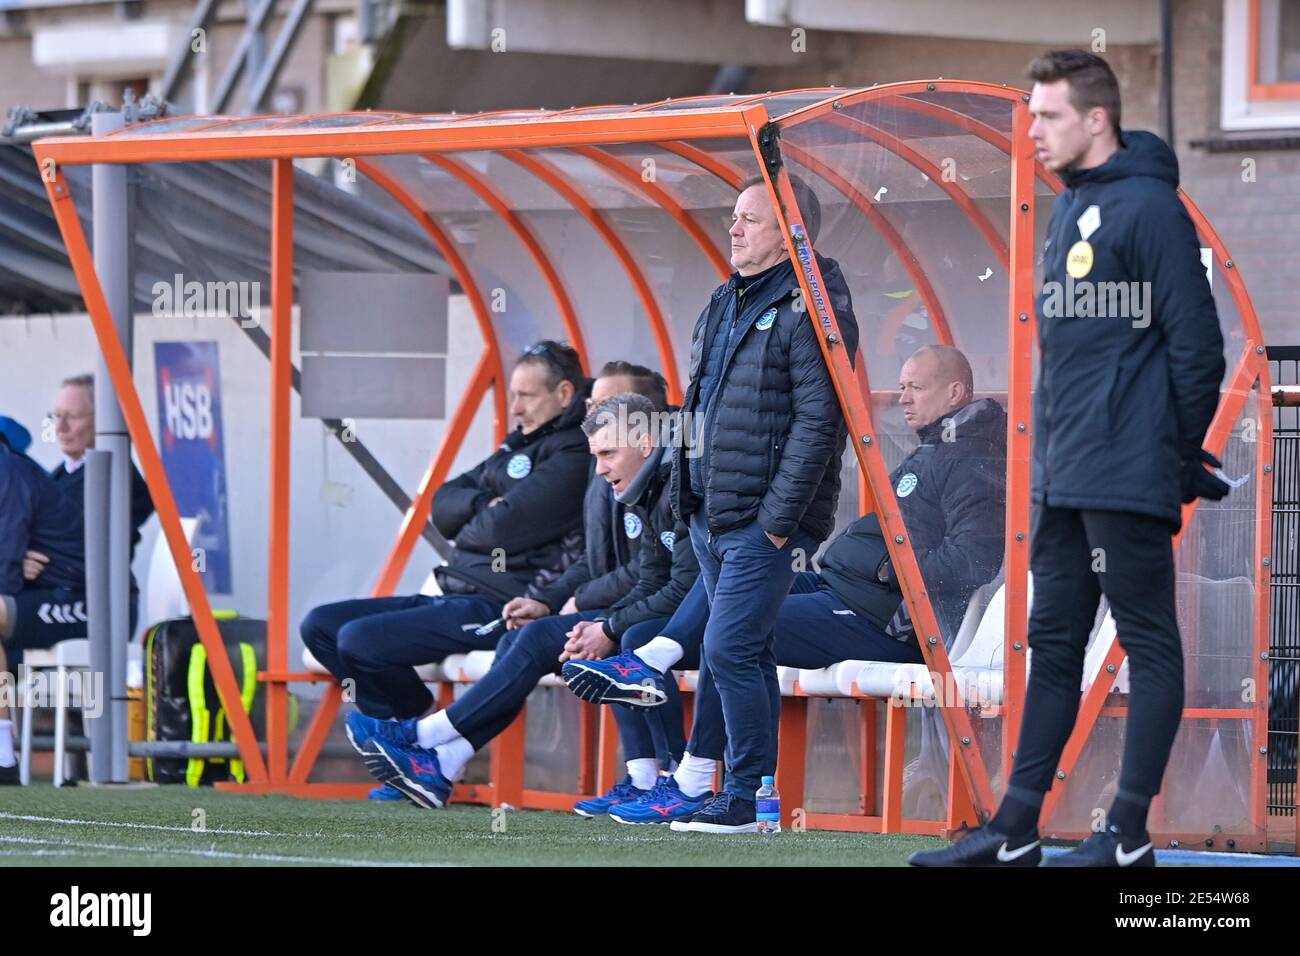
516, 521
951, 492
422, 758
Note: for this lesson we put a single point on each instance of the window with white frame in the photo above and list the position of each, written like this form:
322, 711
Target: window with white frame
1261, 64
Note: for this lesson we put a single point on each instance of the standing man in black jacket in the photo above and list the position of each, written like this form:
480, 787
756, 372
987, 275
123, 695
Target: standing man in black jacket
760, 478
516, 519
1124, 399
422, 758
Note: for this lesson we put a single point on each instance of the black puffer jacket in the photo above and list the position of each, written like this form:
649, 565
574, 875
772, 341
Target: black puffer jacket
1122, 400
667, 565
951, 491
536, 529
607, 569
773, 433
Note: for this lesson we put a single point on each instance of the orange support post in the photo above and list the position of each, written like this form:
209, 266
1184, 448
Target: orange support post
607, 769
1020, 337
792, 758
277, 599
119, 370
507, 763
891, 809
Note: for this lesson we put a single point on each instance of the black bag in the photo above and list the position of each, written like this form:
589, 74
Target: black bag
181, 700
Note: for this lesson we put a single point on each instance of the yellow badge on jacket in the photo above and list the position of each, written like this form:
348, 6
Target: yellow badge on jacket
1078, 262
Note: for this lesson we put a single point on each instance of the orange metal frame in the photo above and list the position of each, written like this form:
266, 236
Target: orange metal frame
970, 792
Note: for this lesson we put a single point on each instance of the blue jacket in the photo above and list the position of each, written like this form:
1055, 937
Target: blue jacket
1123, 399
35, 516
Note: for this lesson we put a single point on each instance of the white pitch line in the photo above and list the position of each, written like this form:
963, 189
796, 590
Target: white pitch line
165, 827
208, 854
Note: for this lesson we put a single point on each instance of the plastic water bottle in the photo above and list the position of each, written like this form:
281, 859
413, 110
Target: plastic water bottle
768, 806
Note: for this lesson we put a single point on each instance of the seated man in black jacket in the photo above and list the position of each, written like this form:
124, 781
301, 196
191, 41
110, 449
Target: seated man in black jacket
951, 493
516, 519
422, 758
73, 417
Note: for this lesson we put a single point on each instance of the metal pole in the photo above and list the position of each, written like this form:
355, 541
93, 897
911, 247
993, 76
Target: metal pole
182, 64
99, 629
113, 237
263, 77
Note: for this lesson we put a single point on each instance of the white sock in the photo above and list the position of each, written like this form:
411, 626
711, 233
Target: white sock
452, 757
661, 653
643, 772
7, 758
695, 774
435, 730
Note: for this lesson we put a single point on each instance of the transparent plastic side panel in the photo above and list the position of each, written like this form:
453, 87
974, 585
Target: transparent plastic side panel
922, 275
553, 746
833, 773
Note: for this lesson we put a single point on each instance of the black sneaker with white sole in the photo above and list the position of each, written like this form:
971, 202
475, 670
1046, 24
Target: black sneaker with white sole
9, 776
1108, 848
983, 847
724, 813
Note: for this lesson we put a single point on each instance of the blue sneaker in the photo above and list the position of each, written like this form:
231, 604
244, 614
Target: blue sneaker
663, 804
623, 678
385, 793
621, 792
412, 770
362, 730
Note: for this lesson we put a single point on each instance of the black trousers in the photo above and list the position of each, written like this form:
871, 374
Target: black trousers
378, 642
1133, 557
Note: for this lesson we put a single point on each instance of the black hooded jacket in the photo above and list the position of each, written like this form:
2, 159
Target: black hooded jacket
1123, 399
772, 433
951, 491
535, 532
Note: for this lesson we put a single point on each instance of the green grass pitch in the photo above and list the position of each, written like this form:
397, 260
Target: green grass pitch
73, 826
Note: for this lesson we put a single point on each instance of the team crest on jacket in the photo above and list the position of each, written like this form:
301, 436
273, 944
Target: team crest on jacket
766, 320
519, 466
668, 539
906, 485
632, 525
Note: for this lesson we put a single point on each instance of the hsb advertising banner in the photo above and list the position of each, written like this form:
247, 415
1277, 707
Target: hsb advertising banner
194, 451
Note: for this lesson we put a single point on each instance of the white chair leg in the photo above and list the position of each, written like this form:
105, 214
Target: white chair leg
60, 722
29, 711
